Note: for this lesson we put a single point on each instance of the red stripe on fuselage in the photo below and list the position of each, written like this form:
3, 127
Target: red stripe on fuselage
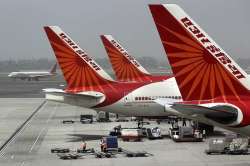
112, 96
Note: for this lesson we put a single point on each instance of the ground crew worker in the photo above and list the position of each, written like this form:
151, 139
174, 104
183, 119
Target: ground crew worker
83, 145
204, 133
184, 122
158, 130
103, 145
172, 123
117, 128
176, 125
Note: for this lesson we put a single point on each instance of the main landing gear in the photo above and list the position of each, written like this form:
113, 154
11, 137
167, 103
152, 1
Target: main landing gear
140, 122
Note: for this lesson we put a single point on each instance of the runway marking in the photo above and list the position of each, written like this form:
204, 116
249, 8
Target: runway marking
52, 113
36, 140
20, 129
47, 121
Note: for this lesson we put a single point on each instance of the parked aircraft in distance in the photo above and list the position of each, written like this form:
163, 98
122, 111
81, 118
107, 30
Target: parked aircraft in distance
33, 75
126, 67
214, 88
89, 86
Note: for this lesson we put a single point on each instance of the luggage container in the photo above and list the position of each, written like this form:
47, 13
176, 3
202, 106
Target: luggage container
135, 134
112, 142
109, 144
227, 146
238, 146
102, 117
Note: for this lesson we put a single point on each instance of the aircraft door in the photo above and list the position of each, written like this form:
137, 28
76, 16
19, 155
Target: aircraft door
128, 99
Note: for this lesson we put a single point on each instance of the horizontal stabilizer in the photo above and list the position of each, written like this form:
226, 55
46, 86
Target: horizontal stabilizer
85, 93
85, 99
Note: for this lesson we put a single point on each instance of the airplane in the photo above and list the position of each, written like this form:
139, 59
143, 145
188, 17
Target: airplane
33, 75
214, 88
126, 67
89, 86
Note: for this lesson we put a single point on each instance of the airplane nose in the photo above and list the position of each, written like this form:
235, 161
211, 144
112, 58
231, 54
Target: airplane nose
11, 75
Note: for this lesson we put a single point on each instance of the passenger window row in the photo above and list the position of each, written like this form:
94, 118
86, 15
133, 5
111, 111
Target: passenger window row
156, 97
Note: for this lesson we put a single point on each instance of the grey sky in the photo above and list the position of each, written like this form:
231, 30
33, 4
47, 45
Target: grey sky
129, 21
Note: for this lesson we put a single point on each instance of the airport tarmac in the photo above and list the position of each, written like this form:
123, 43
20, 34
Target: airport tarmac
10, 88
32, 145
13, 113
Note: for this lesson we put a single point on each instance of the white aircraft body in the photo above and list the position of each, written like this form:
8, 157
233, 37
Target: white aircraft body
33, 75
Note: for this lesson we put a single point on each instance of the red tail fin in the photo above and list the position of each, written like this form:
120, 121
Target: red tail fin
202, 69
79, 70
125, 66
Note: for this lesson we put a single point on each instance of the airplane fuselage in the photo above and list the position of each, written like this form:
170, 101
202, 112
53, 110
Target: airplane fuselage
139, 102
131, 99
30, 74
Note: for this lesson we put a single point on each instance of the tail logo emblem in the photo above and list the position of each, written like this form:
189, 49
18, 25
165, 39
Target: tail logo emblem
189, 56
79, 51
218, 54
125, 53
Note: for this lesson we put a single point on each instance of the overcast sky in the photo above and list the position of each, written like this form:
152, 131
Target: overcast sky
129, 21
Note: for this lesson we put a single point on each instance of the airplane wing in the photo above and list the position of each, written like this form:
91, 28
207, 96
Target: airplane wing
220, 113
36, 76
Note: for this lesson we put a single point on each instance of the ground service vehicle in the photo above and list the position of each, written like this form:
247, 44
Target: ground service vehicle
60, 150
153, 133
86, 118
68, 156
131, 134
228, 146
185, 134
